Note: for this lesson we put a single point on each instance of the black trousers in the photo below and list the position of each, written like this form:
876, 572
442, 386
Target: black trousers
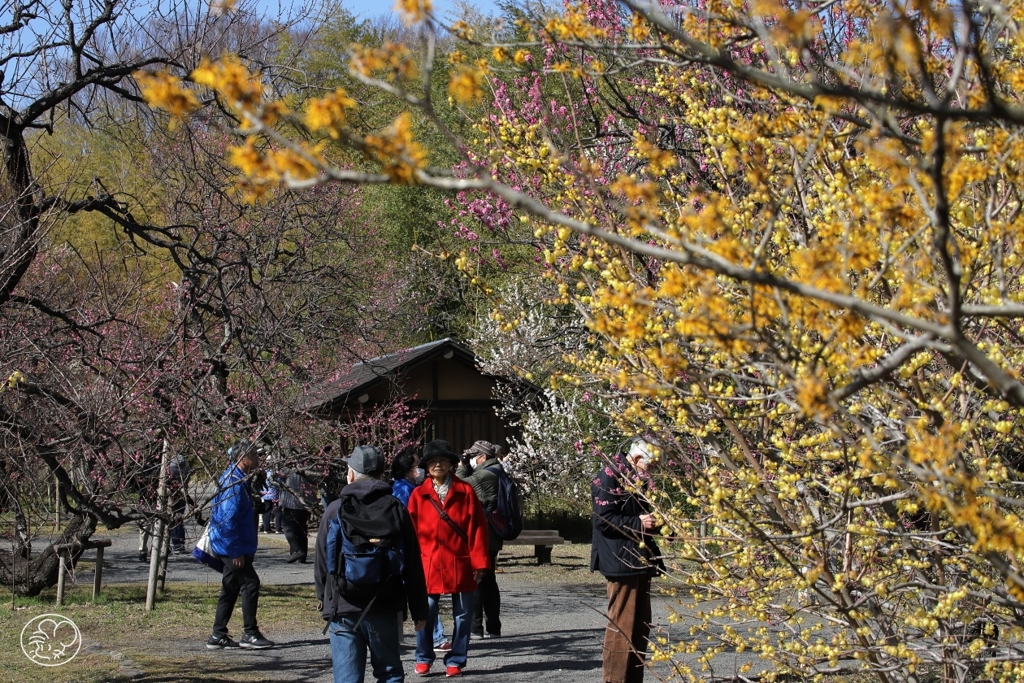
296, 531
237, 581
487, 595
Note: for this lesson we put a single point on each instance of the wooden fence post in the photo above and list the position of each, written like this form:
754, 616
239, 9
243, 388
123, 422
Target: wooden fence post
158, 541
97, 581
62, 573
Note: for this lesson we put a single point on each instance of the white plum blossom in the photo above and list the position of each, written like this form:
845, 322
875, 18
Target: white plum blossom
563, 431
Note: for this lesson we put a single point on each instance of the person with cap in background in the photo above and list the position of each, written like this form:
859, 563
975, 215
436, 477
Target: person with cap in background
477, 470
233, 539
452, 530
625, 553
178, 473
360, 623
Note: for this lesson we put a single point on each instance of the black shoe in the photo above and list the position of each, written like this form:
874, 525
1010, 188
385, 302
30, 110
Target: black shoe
143, 556
255, 641
180, 550
219, 643
296, 557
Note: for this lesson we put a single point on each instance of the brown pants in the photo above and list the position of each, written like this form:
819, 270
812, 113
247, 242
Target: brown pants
629, 624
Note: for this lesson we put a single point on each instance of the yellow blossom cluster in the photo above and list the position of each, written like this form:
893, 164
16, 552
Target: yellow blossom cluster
167, 91
264, 169
393, 60
397, 151
329, 113
413, 11
467, 84
239, 88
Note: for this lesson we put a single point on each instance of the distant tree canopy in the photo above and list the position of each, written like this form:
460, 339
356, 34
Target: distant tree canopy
145, 308
793, 234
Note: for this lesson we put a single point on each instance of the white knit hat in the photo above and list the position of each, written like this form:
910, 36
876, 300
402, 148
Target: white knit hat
644, 450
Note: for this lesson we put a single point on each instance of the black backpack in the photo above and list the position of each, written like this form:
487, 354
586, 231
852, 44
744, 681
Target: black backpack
364, 548
506, 519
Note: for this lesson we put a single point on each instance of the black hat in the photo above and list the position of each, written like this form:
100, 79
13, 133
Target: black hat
366, 460
439, 448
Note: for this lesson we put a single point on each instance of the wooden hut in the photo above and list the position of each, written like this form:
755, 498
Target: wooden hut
440, 377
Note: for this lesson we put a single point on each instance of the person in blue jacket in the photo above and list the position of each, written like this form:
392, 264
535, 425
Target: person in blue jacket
233, 541
406, 474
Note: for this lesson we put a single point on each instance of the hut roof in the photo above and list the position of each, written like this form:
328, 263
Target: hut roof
366, 374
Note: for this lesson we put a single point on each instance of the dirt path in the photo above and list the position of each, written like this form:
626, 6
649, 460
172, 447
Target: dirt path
552, 624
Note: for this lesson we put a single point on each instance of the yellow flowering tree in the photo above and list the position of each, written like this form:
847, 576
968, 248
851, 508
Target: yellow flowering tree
794, 233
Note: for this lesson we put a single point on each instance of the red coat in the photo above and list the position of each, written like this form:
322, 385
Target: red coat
448, 560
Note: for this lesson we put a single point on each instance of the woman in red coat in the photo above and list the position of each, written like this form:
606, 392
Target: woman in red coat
452, 531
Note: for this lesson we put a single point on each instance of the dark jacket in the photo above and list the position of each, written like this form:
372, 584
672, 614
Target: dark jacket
485, 485
616, 550
392, 600
483, 481
257, 483
232, 520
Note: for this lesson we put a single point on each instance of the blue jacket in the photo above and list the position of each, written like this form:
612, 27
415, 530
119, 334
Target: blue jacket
402, 489
233, 520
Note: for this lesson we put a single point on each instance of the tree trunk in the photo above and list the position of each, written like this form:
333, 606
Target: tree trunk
31, 576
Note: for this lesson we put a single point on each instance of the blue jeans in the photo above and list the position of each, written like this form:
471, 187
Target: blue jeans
438, 632
378, 631
462, 615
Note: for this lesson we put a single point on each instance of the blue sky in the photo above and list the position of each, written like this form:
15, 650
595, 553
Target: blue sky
369, 8
366, 9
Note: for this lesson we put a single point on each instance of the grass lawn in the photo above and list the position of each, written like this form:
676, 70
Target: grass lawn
117, 628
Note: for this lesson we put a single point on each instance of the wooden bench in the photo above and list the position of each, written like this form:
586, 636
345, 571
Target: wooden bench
542, 540
64, 558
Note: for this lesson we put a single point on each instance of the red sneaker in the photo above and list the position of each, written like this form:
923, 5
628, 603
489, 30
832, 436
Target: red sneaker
422, 668
446, 646
453, 671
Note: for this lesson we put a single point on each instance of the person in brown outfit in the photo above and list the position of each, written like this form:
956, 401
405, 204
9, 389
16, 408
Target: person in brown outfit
626, 555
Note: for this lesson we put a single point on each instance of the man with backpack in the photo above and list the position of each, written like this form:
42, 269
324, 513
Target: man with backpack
368, 567
481, 469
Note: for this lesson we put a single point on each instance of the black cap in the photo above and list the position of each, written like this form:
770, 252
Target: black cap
366, 460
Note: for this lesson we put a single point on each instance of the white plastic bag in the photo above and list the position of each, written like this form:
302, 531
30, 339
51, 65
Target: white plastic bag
204, 552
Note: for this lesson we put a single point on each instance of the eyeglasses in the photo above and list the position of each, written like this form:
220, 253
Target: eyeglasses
435, 463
